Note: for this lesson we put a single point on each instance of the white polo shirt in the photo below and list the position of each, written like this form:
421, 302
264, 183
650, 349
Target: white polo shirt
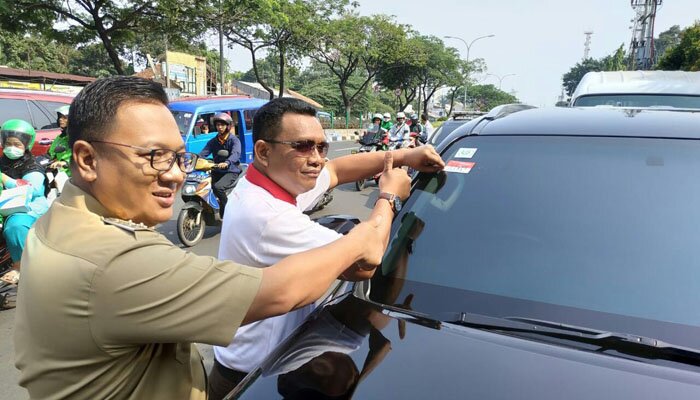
263, 224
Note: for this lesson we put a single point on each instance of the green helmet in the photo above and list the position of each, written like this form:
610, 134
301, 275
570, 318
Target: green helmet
63, 110
20, 129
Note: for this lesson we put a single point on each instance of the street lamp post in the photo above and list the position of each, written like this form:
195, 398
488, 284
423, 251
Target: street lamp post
500, 78
469, 46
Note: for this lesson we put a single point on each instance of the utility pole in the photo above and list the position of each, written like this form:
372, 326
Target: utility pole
642, 43
221, 50
587, 45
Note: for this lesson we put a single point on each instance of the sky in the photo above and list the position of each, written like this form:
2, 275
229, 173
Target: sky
537, 40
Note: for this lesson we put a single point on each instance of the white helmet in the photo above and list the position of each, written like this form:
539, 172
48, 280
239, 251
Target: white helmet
387, 115
400, 115
376, 116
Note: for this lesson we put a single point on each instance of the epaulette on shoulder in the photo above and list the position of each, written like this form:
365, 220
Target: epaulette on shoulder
126, 225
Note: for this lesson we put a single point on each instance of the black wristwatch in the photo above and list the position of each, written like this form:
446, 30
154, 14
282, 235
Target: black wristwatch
394, 200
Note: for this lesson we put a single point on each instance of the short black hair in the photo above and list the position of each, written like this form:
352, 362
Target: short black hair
93, 110
268, 119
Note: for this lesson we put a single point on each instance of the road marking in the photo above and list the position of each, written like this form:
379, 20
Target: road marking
345, 149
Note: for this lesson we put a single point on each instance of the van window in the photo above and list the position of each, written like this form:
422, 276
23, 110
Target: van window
248, 117
14, 108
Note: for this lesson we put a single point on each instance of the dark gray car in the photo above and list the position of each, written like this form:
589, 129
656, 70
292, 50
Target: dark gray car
556, 257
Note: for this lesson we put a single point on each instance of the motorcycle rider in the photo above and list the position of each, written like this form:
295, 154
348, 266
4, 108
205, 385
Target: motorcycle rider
417, 131
400, 130
60, 160
17, 162
375, 132
386, 122
226, 171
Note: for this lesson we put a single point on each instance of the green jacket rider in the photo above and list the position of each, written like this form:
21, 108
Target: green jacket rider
61, 159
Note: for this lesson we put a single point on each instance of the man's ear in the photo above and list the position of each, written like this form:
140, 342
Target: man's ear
262, 152
84, 161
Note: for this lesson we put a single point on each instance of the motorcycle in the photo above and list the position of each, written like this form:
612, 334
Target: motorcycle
201, 206
367, 145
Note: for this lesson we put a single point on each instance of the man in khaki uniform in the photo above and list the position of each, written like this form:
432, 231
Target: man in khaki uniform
108, 307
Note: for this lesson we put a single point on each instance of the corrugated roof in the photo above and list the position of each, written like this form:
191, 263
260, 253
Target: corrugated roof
41, 76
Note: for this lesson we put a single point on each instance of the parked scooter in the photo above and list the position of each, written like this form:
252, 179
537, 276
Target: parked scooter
201, 206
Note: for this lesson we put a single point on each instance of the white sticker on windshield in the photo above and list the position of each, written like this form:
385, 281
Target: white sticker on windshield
465, 152
459, 167
188, 115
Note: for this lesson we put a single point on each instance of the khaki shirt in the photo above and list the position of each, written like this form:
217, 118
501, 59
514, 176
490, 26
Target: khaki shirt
109, 309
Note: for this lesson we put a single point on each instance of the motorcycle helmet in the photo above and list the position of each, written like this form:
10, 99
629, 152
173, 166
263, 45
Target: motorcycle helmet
400, 115
387, 116
22, 130
377, 116
414, 117
62, 111
223, 117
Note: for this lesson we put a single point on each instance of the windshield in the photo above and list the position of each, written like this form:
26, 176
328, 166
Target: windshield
599, 232
639, 100
184, 121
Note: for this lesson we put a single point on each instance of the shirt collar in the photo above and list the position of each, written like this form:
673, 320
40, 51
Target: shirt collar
258, 179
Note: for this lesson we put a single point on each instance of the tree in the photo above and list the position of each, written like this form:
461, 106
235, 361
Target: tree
354, 45
667, 39
686, 55
111, 22
34, 52
442, 68
486, 97
572, 78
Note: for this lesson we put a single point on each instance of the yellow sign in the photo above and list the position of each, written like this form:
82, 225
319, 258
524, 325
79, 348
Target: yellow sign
190, 72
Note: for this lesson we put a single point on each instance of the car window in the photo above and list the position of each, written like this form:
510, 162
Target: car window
248, 117
639, 100
183, 120
596, 224
42, 119
14, 108
51, 107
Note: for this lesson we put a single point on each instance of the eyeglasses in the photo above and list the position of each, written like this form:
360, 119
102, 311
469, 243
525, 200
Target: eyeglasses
163, 159
305, 146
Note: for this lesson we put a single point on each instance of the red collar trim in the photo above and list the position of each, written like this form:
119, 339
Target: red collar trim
258, 179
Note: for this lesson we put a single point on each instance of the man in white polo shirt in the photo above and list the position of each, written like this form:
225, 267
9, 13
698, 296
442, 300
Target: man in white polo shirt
264, 221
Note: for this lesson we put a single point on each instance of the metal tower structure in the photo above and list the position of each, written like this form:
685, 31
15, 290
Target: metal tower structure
642, 45
587, 44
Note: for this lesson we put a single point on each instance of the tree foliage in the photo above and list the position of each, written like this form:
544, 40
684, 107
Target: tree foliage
352, 46
486, 97
686, 55
667, 40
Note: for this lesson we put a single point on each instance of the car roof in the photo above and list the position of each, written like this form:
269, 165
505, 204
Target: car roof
216, 104
34, 95
638, 82
587, 121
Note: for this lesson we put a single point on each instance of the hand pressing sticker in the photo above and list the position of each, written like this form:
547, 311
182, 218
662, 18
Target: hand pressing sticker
465, 152
459, 167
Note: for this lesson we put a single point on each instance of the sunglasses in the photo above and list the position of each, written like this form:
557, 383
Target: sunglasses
305, 146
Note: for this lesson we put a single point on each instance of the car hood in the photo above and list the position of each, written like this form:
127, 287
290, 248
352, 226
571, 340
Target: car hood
398, 358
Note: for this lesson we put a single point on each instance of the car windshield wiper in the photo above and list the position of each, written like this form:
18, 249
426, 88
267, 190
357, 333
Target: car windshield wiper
639, 346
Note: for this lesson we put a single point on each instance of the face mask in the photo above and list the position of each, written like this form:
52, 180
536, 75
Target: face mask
13, 153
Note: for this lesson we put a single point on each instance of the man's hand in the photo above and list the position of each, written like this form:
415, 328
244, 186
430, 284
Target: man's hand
394, 180
57, 164
222, 165
423, 159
